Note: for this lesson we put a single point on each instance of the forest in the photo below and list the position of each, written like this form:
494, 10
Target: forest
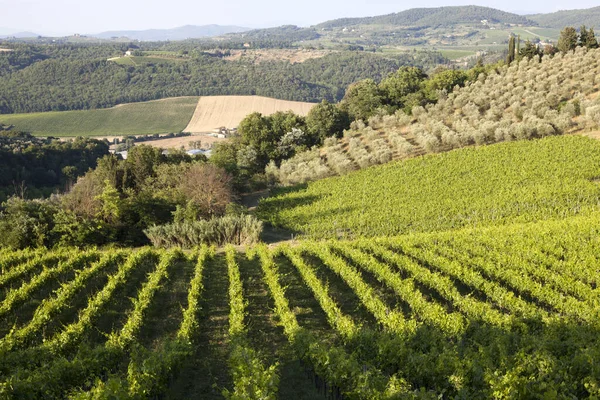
34, 167
35, 78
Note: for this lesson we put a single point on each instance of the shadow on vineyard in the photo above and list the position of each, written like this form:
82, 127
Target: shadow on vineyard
205, 373
268, 338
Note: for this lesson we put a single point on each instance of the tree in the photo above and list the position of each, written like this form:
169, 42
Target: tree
567, 40
583, 36
550, 50
530, 50
255, 131
591, 41
510, 57
398, 85
325, 120
224, 155
209, 188
140, 164
362, 99
445, 80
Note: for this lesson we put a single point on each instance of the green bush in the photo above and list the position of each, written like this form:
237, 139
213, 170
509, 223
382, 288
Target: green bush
242, 229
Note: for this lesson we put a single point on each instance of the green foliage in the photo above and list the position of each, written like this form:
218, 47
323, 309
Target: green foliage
568, 39
26, 223
31, 167
325, 120
402, 83
362, 99
261, 139
530, 50
243, 229
587, 38
510, 57
446, 81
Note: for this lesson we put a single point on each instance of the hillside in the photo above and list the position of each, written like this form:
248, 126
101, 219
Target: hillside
521, 181
589, 17
529, 99
158, 116
441, 16
179, 33
228, 111
46, 78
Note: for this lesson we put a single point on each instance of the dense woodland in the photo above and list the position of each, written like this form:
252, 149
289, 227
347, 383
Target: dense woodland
68, 77
33, 167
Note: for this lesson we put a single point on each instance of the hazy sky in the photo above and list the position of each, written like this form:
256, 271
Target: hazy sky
93, 16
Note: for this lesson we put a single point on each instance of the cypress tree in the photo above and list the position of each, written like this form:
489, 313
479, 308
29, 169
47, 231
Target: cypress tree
592, 42
511, 50
583, 36
568, 39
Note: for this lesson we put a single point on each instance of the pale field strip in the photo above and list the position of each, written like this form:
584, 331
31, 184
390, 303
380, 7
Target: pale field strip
213, 112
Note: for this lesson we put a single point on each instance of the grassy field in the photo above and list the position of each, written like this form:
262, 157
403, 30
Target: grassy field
158, 116
456, 54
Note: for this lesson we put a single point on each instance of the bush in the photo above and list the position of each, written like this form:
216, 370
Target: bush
27, 223
242, 229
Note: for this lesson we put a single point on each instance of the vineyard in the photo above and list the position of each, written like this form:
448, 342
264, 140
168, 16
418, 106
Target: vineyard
501, 312
520, 181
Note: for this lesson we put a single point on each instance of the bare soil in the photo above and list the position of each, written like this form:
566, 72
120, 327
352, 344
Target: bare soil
213, 112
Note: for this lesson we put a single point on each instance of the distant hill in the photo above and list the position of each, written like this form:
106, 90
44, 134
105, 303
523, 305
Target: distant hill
441, 16
589, 17
20, 35
282, 33
180, 33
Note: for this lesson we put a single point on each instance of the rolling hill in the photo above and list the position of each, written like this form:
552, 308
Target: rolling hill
589, 17
493, 185
529, 99
179, 33
441, 16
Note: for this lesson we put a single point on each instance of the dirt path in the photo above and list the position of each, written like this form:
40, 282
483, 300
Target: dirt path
270, 235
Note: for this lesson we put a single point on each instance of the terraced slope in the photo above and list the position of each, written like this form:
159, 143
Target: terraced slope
529, 99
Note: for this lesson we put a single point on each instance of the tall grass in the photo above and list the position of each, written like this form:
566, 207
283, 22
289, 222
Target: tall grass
244, 229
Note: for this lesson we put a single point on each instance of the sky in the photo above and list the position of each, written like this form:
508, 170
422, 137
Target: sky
65, 17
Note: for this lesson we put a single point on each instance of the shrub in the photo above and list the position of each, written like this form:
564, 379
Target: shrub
240, 229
